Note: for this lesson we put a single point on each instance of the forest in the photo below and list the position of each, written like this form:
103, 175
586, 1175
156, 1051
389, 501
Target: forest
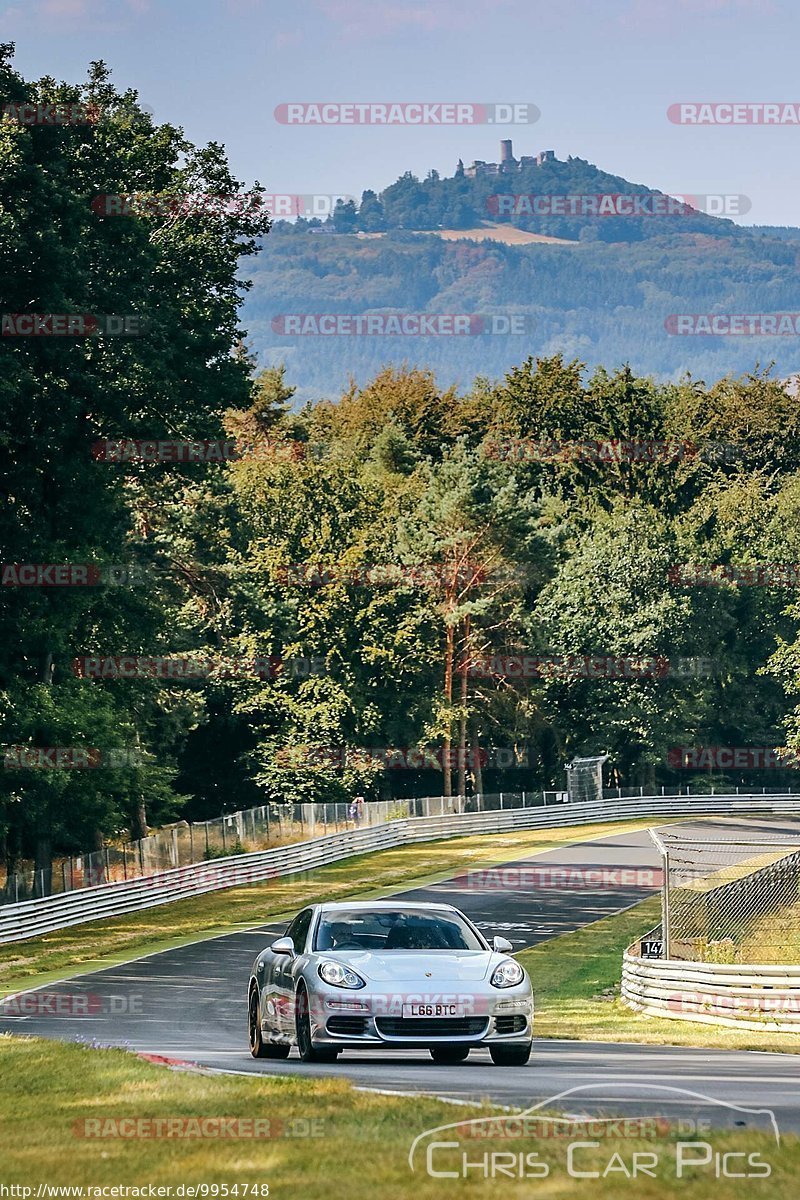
217, 594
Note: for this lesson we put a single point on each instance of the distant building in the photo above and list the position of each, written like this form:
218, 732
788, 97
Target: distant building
507, 165
507, 160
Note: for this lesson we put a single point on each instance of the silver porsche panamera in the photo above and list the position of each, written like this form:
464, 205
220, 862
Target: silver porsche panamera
388, 974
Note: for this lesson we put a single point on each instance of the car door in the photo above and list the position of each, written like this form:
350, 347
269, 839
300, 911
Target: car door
283, 970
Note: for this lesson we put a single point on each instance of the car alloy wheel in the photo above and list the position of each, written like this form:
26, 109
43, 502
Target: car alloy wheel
258, 1047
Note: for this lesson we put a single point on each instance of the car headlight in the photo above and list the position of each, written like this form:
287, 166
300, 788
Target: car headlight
339, 975
507, 974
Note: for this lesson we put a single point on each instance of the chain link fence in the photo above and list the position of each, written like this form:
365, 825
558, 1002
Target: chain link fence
237, 833
729, 898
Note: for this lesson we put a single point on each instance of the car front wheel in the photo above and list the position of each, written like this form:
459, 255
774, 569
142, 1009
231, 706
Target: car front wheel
510, 1056
308, 1051
449, 1054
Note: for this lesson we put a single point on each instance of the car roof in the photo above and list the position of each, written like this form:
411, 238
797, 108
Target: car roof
372, 905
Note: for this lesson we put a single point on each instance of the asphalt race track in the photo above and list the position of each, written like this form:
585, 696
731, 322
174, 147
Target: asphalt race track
189, 1003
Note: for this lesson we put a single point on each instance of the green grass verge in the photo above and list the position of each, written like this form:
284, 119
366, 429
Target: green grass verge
359, 1151
576, 981
96, 944
773, 938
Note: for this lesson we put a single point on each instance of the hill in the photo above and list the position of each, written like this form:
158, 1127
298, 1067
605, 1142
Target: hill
603, 291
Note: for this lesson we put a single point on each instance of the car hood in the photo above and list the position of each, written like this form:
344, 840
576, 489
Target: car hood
423, 965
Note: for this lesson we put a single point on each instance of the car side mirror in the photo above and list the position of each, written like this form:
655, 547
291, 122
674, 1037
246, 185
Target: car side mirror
501, 945
284, 945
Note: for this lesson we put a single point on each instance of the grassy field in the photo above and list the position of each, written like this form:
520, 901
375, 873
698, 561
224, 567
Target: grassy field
84, 947
576, 976
774, 938
509, 235
576, 980
326, 1139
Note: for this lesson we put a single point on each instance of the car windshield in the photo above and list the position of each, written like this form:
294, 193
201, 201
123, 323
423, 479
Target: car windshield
394, 929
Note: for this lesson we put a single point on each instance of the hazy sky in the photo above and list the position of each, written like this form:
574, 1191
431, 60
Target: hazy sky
602, 73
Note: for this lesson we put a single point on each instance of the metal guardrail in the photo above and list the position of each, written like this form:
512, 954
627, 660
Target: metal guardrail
745, 996
34, 917
241, 832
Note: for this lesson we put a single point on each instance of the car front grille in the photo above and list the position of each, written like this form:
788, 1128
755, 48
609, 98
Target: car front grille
347, 1026
432, 1027
512, 1024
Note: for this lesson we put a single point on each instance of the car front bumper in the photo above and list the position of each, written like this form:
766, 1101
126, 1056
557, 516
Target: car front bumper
354, 1019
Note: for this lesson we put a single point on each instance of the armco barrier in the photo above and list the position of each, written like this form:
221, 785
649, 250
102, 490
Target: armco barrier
33, 917
746, 996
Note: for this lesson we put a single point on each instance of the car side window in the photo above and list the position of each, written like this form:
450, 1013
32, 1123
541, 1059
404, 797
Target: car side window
298, 930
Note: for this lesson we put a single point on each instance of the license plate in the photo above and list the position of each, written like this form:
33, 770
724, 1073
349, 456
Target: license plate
433, 1010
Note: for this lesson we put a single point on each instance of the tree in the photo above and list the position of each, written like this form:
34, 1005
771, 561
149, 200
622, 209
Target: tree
345, 216
169, 268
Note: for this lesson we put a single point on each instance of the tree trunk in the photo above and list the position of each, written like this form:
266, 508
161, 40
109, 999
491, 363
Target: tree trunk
43, 854
98, 860
43, 866
11, 856
139, 829
462, 724
447, 786
139, 823
477, 768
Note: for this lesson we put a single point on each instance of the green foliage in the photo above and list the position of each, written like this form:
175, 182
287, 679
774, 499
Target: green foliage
603, 294
386, 535
176, 272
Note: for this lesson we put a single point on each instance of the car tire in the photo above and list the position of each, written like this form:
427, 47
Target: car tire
308, 1051
276, 1050
258, 1047
449, 1054
510, 1056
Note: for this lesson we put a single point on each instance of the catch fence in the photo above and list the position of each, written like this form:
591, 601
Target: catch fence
269, 825
728, 897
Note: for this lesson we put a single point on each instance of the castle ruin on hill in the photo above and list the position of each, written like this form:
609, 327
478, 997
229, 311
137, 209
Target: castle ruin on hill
508, 164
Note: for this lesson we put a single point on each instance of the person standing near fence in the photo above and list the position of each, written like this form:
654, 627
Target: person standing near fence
357, 809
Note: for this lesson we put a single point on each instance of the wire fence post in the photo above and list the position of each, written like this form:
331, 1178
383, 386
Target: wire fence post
665, 915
